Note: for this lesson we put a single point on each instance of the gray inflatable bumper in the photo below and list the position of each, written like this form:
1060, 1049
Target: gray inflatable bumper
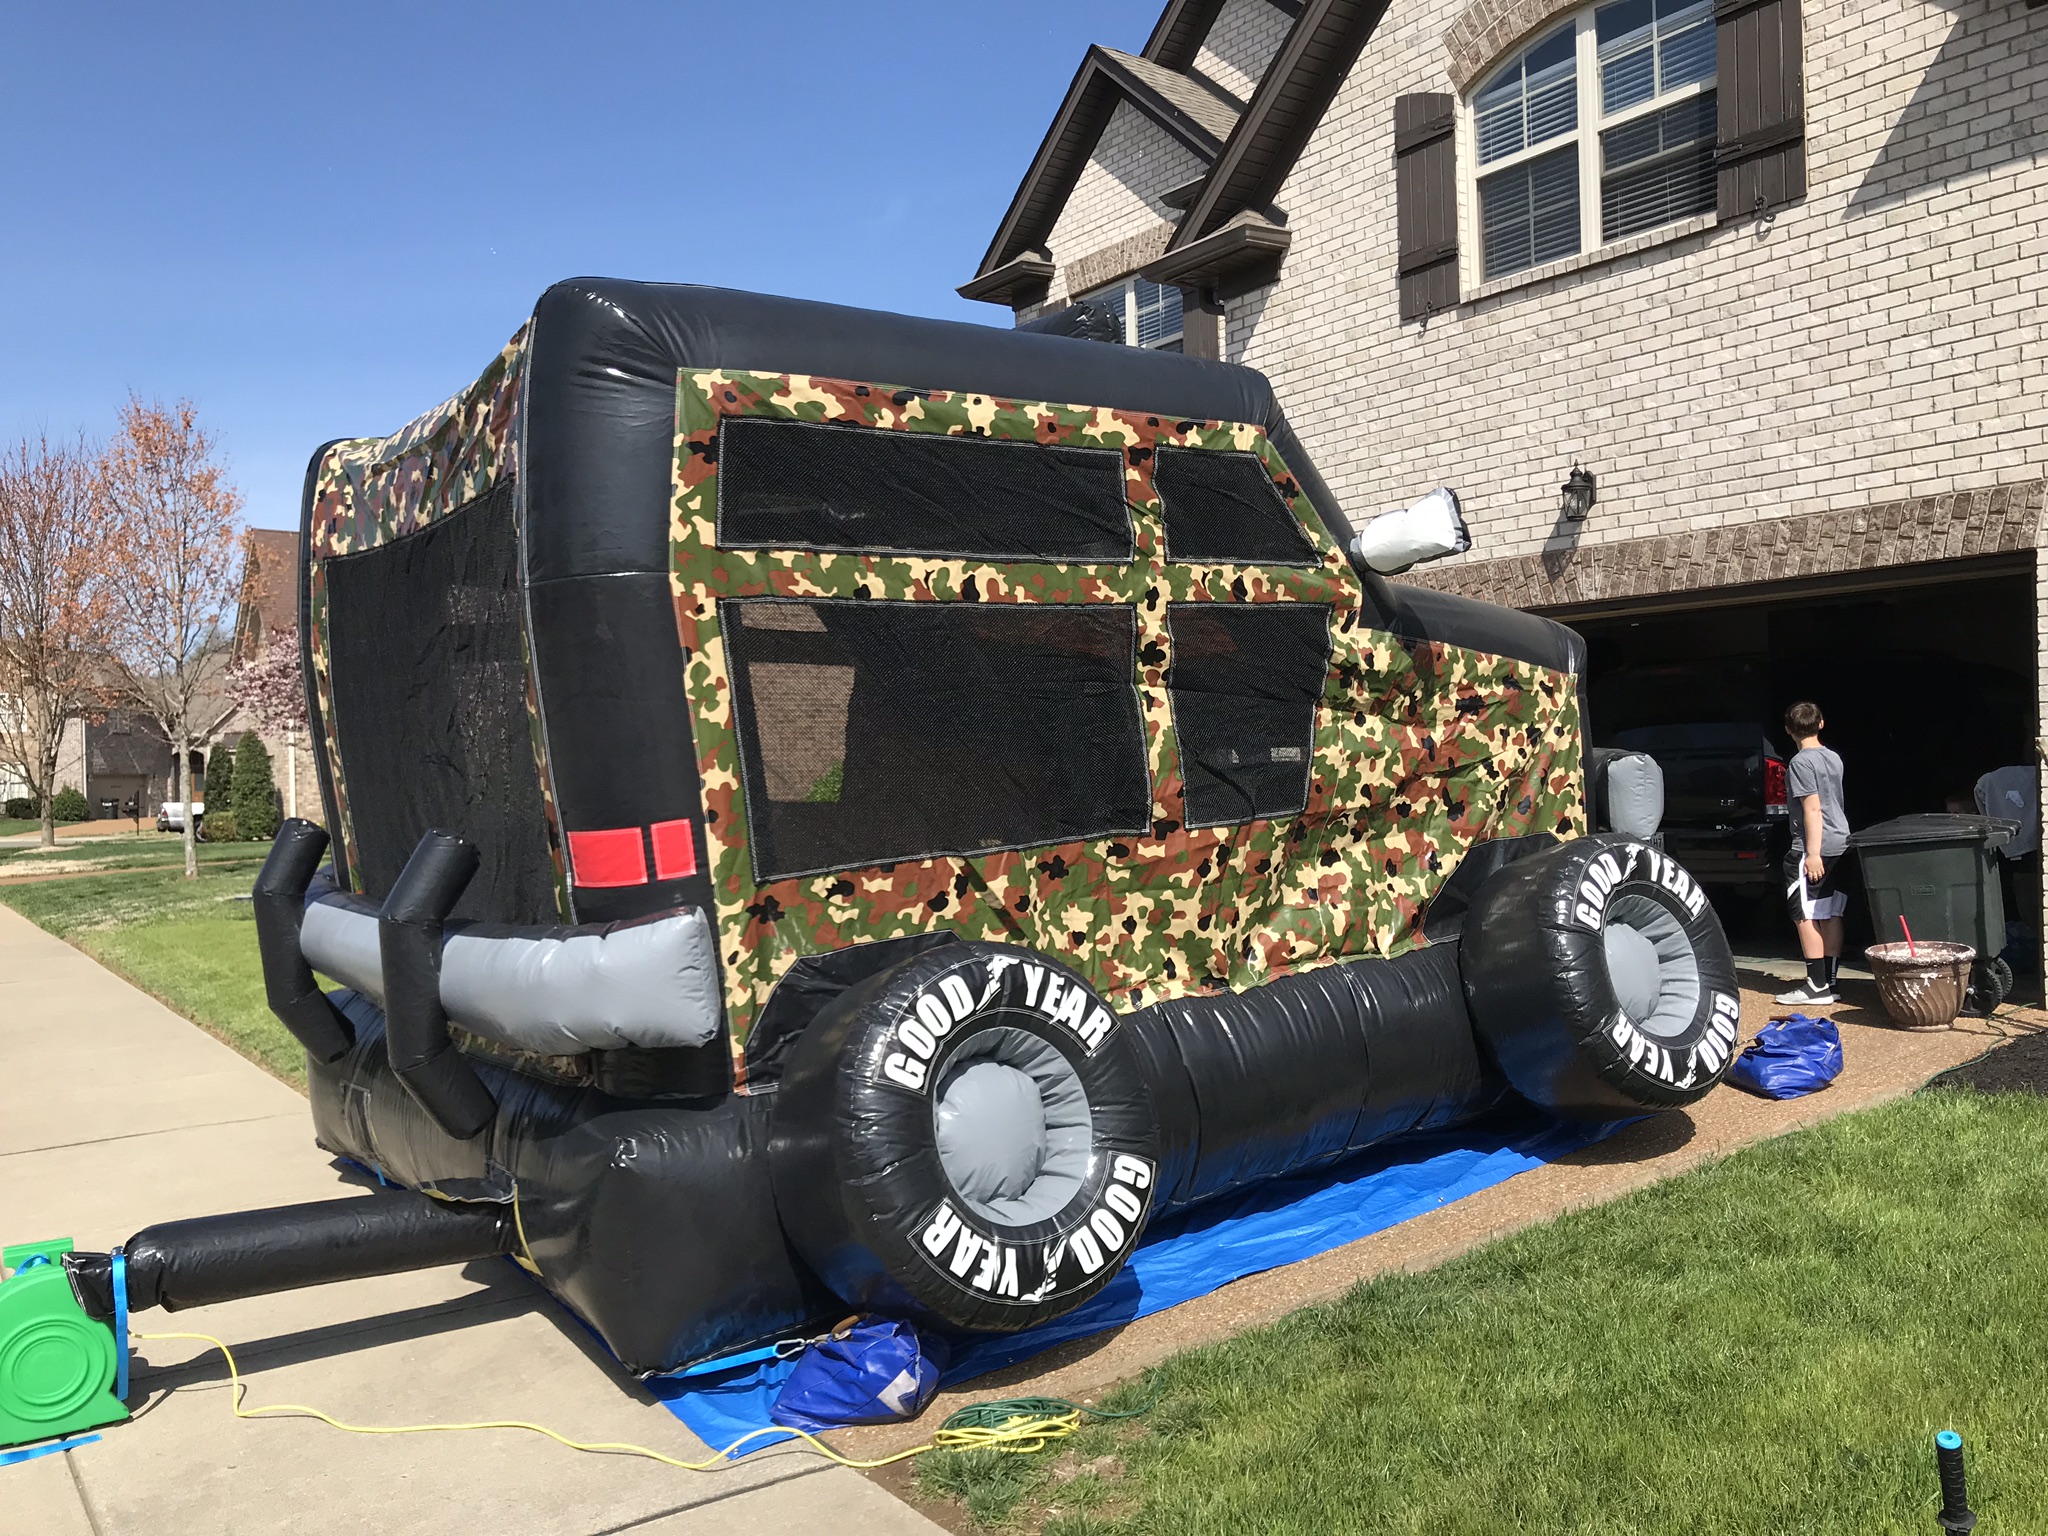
1627, 791
650, 983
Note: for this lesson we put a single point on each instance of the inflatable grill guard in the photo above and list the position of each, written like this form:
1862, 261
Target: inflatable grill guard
836, 811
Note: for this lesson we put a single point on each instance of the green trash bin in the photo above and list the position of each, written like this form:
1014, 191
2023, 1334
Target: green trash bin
1941, 874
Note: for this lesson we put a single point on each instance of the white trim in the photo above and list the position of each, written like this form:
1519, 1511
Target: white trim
1614, 250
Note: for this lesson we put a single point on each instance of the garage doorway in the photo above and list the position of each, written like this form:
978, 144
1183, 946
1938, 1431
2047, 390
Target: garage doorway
1927, 677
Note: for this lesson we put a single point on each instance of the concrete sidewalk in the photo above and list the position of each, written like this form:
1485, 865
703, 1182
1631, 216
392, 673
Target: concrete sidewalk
116, 1113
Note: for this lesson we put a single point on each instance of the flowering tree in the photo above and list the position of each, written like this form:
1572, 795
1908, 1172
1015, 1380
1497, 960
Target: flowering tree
54, 607
272, 688
175, 522
270, 685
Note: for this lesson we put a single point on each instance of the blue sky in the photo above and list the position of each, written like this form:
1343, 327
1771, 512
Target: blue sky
317, 220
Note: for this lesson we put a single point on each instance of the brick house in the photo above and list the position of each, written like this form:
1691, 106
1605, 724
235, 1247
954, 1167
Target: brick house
268, 609
118, 757
1765, 270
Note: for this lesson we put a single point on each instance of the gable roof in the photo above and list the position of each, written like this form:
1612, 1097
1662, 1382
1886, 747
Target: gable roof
1195, 115
1227, 212
1186, 100
1296, 90
270, 589
1179, 33
1184, 25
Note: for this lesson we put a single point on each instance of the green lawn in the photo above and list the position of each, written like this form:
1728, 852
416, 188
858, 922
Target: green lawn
14, 826
150, 850
188, 942
1768, 1344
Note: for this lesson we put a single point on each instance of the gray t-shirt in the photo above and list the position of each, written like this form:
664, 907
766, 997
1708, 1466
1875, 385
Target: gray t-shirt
1818, 771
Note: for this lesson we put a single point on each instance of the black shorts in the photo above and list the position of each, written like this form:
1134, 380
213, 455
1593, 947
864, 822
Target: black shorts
1814, 900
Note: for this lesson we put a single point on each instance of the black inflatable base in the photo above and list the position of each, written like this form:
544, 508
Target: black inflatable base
654, 1221
657, 1222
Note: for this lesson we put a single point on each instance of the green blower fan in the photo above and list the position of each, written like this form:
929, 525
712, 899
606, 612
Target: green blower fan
58, 1367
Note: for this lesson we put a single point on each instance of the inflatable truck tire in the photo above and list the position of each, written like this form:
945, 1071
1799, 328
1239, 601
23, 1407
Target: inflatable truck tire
965, 1138
1600, 981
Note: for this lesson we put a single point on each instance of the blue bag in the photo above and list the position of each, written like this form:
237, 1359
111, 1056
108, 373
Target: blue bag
874, 1372
1790, 1057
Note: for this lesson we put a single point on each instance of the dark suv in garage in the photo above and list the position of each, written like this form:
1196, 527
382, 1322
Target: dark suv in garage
1724, 800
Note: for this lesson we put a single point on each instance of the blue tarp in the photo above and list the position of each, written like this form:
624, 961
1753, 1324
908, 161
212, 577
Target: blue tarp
1191, 1254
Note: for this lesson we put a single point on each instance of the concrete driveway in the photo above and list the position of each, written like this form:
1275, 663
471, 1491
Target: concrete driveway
116, 1113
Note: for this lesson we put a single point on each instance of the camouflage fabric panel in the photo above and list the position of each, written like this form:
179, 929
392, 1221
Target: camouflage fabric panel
1419, 751
570, 1071
370, 490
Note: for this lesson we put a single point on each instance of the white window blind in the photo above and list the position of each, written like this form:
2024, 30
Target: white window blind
1532, 101
1657, 169
1151, 311
1155, 314
1530, 214
1619, 101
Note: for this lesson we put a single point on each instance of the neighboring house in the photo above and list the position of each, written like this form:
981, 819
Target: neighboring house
269, 606
117, 757
111, 756
1770, 276
12, 719
119, 753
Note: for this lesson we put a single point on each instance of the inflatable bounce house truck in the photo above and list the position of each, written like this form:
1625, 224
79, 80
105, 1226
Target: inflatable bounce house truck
838, 812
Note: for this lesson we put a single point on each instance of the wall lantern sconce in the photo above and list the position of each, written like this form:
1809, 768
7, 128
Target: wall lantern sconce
1578, 494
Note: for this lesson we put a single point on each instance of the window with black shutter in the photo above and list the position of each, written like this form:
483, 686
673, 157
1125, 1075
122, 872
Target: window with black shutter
1760, 160
1601, 128
1426, 193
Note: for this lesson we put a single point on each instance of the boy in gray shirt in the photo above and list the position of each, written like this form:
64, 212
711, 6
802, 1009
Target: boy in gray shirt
1820, 836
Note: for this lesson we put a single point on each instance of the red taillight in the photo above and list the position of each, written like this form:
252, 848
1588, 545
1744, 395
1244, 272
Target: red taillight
1774, 782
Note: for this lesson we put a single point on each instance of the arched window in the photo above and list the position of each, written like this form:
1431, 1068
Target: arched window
1600, 129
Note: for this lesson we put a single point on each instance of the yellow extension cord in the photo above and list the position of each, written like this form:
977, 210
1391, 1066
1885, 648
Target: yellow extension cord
1018, 1432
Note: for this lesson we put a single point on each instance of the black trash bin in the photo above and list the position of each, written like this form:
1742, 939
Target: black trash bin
1941, 874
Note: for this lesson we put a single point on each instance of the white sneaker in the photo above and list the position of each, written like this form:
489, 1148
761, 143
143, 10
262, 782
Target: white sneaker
1807, 994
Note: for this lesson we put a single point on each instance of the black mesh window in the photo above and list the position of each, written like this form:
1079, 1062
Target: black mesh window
1223, 509
429, 682
804, 485
1245, 680
874, 732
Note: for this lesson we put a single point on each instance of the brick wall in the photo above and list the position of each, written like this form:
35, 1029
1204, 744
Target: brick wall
1488, 30
1851, 384
297, 774
1871, 345
1960, 525
1241, 44
71, 756
1115, 202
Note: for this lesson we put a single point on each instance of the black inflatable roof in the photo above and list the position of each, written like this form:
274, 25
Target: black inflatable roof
601, 418
602, 393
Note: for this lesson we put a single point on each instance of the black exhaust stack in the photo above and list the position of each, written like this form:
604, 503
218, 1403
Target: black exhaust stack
178, 1264
415, 1025
280, 903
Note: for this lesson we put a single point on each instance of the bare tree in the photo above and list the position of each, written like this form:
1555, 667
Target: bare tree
175, 518
54, 607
